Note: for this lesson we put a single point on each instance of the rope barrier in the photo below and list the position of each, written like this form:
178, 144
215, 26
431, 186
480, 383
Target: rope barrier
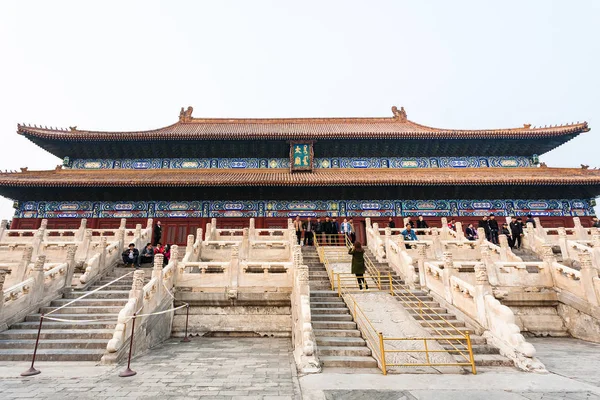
89, 293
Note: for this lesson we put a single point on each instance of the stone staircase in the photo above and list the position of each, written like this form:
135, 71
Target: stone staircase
71, 341
339, 340
435, 318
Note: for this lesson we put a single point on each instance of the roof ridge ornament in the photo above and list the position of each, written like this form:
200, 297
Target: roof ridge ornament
73, 128
186, 116
399, 115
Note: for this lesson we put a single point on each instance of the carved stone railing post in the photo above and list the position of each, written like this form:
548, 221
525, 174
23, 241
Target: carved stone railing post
548, 256
2, 279
37, 291
175, 261
388, 238
580, 231
245, 245
482, 288
137, 287
530, 242
81, 231
38, 239
121, 233
540, 229
84, 249
103, 245
480, 236
588, 274
189, 247
157, 272
368, 222
503, 239
234, 273
490, 266
562, 242
422, 254
26, 258
213, 229
2, 228
71, 251
138, 236
460, 234
437, 247
149, 225
208, 231
123, 224
252, 230
445, 230
447, 273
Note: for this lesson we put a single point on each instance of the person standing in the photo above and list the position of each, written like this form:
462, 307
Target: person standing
346, 230
452, 225
493, 224
358, 264
327, 229
391, 224
319, 231
411, 222
308, 228
157, 232
298, 228
352, 231
335, 231
595, 222
485, 224
516, 231
421, 223
506, 232
530, 219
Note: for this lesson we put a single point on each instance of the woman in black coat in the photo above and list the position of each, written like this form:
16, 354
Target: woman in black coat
358, 264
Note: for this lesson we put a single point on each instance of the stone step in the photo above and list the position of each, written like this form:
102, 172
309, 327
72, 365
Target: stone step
349, 351
438, 323
36, 317
54, 344
448, 331
432, 316
323, 293
329, 304
327, 299
416, 304
334, 325
331, 317
90, 302
340, 341
336, 333
83, 310
348, 362
63, 325
100, 294
13, 334
427, 311
477, 348
52, 354
488, 360
329, 311
111, 287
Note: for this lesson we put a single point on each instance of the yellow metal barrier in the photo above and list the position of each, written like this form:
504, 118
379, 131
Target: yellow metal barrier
444, 331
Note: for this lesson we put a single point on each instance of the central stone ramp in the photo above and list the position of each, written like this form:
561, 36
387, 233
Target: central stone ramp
339, 340
70, 341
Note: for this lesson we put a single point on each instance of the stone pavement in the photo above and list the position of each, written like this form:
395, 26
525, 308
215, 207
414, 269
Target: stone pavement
211, 368
262, 368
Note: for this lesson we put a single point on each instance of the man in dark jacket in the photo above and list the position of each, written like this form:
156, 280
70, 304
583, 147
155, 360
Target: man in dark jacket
335, 230
530, 219
308, 227
147, 255
157, 233
391, 223
595, 222
319, 230
327, 229
516, 231
131, 256
493, 224
421, 223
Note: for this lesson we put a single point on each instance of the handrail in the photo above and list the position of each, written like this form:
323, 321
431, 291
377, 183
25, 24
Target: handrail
377, 340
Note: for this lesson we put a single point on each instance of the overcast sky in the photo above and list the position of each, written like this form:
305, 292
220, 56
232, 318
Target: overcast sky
131, 65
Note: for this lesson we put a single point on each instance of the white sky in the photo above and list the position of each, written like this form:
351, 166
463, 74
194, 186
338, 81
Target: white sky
129, 65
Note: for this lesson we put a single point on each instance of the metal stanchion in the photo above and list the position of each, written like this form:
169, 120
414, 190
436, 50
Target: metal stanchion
32, 371
129, 371
186, 339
